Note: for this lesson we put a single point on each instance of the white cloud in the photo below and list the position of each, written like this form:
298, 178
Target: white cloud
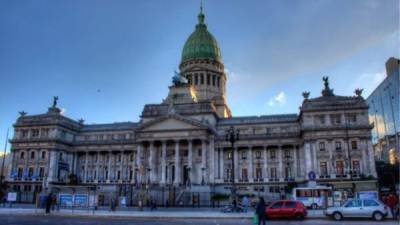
279, 99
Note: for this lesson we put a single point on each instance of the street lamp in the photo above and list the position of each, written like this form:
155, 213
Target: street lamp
202, 178
232, 135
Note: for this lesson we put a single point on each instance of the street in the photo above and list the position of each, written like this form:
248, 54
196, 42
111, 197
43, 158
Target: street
75, 220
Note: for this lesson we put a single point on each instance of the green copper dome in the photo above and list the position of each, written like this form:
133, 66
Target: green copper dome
201, 44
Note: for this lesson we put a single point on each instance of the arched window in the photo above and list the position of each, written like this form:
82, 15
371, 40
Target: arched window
22, 155
32, 154
43, 154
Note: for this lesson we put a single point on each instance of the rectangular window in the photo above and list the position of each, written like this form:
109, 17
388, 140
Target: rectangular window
201, 79
244, 155
35, 132
323, 168
20, 171
322, 146
41, 172
338, 146
287, 154
258, 173
196, 79
288, 172
30, 172
218, 81
208, 79
272, 154
43, 155
199, 152
244, 174
336, 119
213, 80
354, 145
339, 168
258, 154
352, 118
273, 172
228, 174
356, 167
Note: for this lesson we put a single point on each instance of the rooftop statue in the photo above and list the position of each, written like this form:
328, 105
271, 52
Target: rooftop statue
55, 99
358, 92
327, 91
306, 94
22, 113
179, 80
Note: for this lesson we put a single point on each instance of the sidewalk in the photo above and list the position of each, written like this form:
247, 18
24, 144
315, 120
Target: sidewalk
193, 213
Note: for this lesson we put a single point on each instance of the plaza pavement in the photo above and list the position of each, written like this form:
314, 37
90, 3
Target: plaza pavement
160, 213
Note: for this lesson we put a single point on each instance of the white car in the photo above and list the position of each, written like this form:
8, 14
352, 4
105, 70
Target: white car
359, 208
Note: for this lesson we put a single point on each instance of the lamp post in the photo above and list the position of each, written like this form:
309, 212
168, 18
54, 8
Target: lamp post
202, 177
232, 135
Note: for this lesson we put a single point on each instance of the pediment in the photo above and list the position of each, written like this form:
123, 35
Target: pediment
170, 123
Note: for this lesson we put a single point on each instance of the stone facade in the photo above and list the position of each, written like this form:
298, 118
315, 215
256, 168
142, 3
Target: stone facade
178, 153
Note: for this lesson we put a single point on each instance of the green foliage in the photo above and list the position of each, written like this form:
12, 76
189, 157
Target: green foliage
219, 197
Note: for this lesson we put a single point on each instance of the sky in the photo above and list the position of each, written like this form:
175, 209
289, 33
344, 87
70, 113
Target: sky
107, 59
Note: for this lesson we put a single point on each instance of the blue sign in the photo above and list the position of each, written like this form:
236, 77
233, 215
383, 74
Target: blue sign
66, 200
312, 175
81, 200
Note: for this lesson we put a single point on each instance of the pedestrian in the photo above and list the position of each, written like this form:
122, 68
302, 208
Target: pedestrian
53, 202
245, 203
153, 205
112, 204
48, 203
234, 205
392, 202
260, 210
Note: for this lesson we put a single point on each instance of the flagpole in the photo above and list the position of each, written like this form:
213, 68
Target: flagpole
4, 158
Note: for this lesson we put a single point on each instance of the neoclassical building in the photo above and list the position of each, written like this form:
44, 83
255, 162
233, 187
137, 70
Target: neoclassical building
178, 152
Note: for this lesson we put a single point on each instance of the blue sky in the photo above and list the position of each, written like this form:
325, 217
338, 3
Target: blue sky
106, 59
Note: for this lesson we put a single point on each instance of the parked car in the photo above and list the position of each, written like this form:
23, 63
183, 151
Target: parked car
286, 209
359, 208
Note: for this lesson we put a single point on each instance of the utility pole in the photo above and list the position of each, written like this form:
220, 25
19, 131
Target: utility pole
232, 135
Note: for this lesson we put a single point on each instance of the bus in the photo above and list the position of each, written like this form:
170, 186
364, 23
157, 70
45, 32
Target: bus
314, 197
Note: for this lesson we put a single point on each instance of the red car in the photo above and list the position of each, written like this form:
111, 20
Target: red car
286, 209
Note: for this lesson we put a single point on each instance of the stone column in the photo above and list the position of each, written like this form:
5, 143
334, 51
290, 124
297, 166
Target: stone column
97, 167
371, 160
314, 158
236, 164
250, 160
121, 166
139, 162
332, 171
177, 180
190, 160
307, 152
52, 172
265, 164
221, 164
280, 158
152, 163
294, 162
109, 167
211, 170
86, 171
363, 148
204, 168
163, 162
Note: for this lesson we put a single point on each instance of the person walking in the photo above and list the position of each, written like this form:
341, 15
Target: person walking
48, 203
260, 210
245, 203
392, 202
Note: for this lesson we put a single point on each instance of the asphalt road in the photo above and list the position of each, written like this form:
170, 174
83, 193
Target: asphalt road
74, 220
